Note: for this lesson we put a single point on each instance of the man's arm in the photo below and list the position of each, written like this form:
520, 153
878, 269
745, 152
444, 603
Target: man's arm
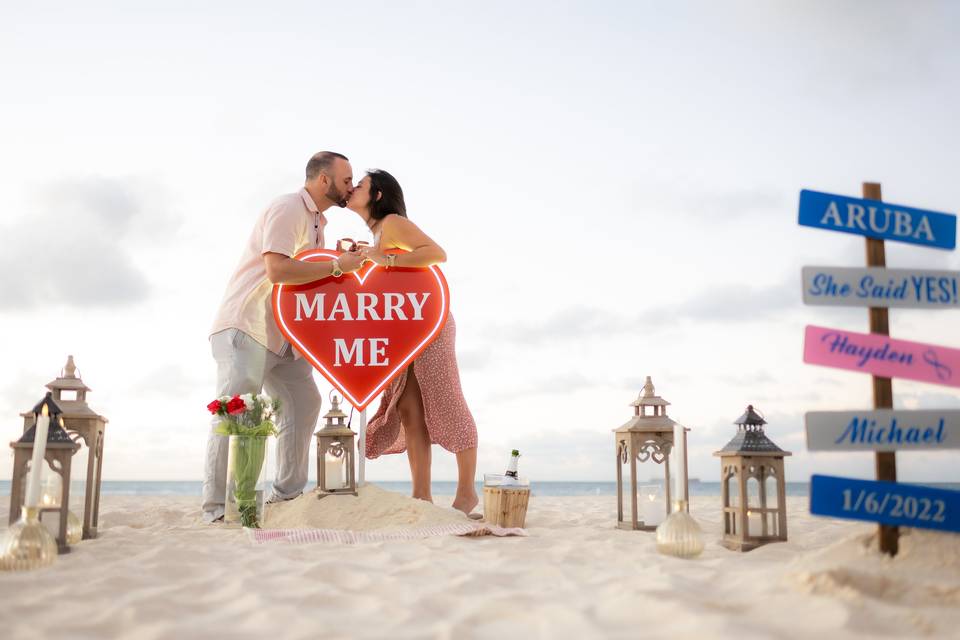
283, 269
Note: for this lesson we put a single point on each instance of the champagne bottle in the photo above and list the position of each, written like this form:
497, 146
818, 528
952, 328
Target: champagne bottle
510, 477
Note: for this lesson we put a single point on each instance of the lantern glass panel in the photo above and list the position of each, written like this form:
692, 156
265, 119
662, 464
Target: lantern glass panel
335, 468
771, 485
753, 492
733, 490
78, 477
772, 521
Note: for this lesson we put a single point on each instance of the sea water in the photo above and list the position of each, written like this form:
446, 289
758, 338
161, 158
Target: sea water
440, 488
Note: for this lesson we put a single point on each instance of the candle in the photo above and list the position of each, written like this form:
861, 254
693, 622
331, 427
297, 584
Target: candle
680, 446
36, 462
651, 508
333, 472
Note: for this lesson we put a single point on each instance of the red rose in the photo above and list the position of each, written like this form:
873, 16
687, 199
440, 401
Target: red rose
236, 406
214, 406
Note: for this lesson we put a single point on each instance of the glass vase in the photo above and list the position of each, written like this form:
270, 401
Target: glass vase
680, 535
247, 483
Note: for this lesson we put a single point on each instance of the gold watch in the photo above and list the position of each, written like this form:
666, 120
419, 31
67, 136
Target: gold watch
336, 272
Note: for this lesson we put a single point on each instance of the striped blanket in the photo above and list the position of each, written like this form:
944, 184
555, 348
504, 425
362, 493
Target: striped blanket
307, 536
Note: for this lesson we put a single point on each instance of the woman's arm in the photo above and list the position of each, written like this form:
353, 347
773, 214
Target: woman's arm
398, 232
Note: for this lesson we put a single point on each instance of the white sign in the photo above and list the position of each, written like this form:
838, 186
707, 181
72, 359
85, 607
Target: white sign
878, 287
882, 430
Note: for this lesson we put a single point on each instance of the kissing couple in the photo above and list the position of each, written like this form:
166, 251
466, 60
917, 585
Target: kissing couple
423, 406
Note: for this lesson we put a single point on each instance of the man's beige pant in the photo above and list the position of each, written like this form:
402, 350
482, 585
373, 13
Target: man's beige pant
246, 366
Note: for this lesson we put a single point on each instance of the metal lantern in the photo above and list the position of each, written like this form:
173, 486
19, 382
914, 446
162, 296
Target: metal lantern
752, 486
335, 454
84, 426
58, 455
647, 437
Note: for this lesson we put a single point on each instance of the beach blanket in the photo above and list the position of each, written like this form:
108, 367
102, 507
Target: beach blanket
307, 536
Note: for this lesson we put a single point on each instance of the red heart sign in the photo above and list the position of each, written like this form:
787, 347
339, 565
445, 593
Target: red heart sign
362, 329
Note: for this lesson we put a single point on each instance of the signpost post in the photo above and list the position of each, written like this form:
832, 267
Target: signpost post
885, 461
883, 430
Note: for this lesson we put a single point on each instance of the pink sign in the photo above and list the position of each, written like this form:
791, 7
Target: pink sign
881, 356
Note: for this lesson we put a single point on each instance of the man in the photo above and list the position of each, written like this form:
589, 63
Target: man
250, 351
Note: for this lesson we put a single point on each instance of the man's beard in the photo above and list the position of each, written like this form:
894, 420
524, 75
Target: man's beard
334, 195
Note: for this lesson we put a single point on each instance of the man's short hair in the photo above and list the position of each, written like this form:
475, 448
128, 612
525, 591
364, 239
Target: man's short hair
321, 163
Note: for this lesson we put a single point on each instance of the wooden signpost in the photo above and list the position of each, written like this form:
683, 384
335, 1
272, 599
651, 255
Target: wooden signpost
877, 220
875, 353
890, 503
876, 287
882, 356
882, 430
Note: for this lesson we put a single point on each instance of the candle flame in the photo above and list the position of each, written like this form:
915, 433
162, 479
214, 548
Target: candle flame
44, 411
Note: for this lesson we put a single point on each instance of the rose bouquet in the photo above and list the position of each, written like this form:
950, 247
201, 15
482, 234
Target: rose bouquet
249, 418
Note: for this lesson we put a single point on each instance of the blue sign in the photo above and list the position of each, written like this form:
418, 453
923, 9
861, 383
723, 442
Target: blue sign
876, 219
889, 503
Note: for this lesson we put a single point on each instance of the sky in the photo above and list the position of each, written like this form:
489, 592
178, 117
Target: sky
615, 185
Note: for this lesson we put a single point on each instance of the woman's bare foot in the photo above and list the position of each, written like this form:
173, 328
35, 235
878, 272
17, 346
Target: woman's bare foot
466, 503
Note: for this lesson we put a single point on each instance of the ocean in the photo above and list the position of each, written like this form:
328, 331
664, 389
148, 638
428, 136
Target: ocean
193, 487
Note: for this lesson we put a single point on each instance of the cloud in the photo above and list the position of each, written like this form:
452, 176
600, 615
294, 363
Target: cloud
689, 198
20, 393
75, 248
848, 59
927, 400
473, 359
731, 303
556, 384
718, 305
173, 380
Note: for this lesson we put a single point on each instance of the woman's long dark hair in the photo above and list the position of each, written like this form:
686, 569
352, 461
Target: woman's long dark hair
391, 195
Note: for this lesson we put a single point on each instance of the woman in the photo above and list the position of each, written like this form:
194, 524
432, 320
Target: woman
425, 404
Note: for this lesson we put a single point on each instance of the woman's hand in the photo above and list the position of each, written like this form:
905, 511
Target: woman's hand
350, 261
373, 255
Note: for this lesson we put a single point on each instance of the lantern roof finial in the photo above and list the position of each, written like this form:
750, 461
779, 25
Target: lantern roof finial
70, 369
333, 420
750, 439
335, 411
750, 417
68, 379
648, 396
648, 389
643, 420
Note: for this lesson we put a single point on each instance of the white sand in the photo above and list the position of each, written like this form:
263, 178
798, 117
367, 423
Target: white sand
155, 572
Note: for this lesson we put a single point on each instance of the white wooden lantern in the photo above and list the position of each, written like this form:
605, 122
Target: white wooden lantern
645, 438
